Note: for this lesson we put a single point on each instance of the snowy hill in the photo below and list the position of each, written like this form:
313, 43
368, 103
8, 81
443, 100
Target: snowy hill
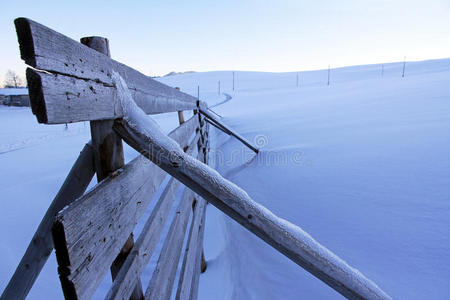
362, 165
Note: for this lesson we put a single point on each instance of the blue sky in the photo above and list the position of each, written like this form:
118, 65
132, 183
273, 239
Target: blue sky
157, 37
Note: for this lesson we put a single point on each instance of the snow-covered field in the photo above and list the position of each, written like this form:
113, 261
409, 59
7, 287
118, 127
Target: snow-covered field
362, 165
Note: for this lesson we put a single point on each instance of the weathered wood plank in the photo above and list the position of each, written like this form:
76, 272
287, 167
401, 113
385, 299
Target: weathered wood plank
41, 244
78, 67
189, 268
57, 98
200, 259
89, 234
161, 283
107, 147
108, 157
202, 156
69, 100
147, 240
145, 245
284, 236
193, 261
180, 116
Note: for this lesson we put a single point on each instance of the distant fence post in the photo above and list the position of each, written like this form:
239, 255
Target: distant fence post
233, 80
328, 83
218, 88
404, 65
297, 79
108, 157
382, 70
180, 112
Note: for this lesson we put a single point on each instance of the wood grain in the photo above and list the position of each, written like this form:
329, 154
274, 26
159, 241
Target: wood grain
75, 69
161, 283
285, 237
147, 240
108, 157
89, 233
190, 268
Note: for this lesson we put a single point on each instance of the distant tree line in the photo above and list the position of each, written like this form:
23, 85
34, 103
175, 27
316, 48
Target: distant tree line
13, 80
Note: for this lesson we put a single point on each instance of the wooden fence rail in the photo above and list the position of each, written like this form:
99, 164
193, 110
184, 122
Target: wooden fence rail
93, 234
71, 82
82, 76
287, 238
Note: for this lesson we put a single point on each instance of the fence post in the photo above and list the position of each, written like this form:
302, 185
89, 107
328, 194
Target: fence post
328, 83
202, 143
108, 157
233, 80
404, 65
180, 112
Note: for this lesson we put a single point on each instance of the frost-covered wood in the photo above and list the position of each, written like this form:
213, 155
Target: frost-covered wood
161, 283
41, 244
83, 80
200, 258
143, 134
190, 267
108, 157
145, 245
148, 239
89, 233
193, 260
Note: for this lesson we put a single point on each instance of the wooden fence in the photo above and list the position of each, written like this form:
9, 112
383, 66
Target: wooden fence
92, 232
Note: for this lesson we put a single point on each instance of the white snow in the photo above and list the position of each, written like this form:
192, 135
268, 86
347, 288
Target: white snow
362, 165
13, 91
300, 242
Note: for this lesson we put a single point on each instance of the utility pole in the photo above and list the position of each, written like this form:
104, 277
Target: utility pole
233, 80
328, 75
218, 89
404, 64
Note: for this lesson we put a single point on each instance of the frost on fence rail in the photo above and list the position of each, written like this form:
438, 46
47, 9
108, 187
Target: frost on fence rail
142, 133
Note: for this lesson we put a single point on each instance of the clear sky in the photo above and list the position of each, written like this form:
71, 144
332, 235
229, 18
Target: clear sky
157, 37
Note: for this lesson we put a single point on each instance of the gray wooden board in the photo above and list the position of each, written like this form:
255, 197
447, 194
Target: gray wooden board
163, 277
198, 257
189, 267
108, 157
185, 292
145, 244
233, 201
90, 232
76, 67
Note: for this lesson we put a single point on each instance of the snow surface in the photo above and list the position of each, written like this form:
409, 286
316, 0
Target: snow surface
362, 165
13, 91
239, 200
